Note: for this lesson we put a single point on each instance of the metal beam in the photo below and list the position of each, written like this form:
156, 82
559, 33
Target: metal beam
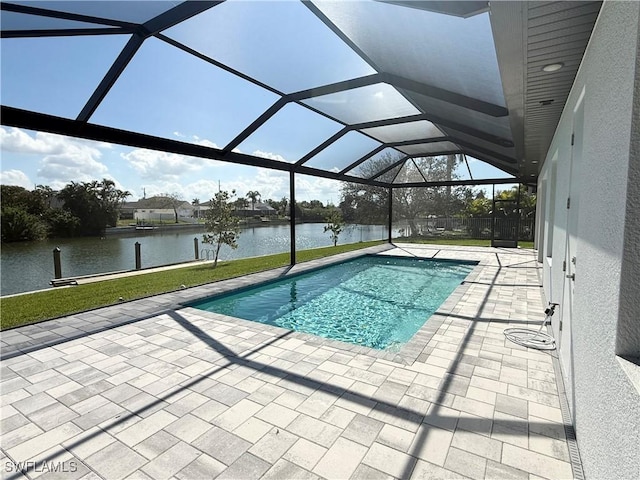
362, 159
76, 17
445, 95
323, 145
256, 124
457, 141
405, 84
15, 117
165, 20
435, 154
438, 121
216, 63
497, 156
405, 143
468, 167
292, 215
336, 87
511, 169
66, 32
314, 172
456, 183
390, 213
127, 53
390, 167
177, 14
420, 170
340, 34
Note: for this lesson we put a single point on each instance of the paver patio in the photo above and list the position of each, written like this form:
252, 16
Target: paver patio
151, 389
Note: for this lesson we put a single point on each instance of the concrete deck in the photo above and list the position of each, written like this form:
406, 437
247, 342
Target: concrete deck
151, 389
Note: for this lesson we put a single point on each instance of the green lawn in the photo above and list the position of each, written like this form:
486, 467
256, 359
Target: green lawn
34, 307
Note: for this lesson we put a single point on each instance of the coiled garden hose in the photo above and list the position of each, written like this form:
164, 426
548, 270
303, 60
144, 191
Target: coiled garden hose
530, 338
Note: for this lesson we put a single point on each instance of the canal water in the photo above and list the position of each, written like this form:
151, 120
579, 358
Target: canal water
27, 266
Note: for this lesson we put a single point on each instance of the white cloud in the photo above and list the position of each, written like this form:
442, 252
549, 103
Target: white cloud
203, 141
270, 184
17, 140
269, 155
64, 159
164, 188
206, 143
16, 177
196, 139
164, 166
203, 190
316, 188
76, 166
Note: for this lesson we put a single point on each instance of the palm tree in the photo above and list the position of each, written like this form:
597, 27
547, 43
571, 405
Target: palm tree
240, 204
253, 196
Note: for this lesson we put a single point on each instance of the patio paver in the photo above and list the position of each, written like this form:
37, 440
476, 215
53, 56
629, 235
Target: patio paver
153, 389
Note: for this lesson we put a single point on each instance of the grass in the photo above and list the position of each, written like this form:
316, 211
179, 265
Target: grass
38, 306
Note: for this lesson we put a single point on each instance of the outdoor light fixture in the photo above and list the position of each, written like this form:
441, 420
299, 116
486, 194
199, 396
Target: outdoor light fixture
552, 67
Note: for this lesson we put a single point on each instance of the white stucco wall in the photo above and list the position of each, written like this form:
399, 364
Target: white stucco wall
629, 319
605, 403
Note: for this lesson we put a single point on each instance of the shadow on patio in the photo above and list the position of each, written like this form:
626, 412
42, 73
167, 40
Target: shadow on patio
408, 426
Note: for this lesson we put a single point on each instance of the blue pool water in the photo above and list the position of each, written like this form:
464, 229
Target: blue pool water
374, 301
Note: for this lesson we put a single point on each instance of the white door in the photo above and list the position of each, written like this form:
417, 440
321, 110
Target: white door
571, 264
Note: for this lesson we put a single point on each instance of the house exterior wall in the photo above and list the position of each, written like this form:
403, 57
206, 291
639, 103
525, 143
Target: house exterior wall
602, 306
154, 214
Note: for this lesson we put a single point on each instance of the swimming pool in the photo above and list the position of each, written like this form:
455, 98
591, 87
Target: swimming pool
374, 301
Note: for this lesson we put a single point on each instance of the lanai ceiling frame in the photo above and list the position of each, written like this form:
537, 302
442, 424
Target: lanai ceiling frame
155, 27
500, 109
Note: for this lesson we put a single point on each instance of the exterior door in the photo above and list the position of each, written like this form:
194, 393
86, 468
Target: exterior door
571, 263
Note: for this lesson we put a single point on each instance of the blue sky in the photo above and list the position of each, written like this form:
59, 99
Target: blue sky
169, 93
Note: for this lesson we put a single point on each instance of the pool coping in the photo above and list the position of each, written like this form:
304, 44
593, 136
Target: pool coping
407, 354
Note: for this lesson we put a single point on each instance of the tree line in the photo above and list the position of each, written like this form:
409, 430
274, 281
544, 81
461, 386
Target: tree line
88, 208
369, 204
79, 209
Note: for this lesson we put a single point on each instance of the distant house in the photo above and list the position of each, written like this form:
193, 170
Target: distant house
259, 208
156, 209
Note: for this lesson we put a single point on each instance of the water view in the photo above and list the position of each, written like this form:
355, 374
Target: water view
27, 266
